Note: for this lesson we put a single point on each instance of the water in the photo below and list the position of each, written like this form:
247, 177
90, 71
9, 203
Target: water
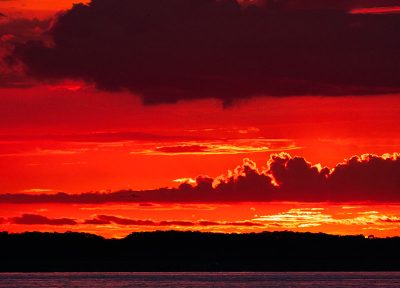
200, 280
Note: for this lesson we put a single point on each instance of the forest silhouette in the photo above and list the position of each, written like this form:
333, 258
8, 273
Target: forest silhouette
196, 251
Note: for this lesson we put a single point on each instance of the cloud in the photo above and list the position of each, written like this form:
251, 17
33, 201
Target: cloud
176, 223
365, 178
96, 221
124, 221
235, 224
183, 149
244, 224
230, 146
390, 219
108, 219
61, 197
137, 143
300, 218
314, 217
296, 218
33, 219
166, 51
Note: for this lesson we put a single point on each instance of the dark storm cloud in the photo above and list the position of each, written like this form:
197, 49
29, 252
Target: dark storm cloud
359, 179
165, 51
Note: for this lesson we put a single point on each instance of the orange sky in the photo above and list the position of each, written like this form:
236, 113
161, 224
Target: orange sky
35, 8
48, 152
70, 137
46, 147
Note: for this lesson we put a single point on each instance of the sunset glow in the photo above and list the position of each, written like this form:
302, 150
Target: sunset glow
215, 136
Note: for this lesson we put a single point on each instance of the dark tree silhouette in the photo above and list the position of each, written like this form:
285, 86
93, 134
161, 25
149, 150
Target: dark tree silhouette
195, 251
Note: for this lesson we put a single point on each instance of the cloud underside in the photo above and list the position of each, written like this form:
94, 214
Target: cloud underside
360, 179
166, 51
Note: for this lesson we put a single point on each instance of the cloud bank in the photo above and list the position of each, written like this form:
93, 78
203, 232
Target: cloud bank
366, 178
166, 51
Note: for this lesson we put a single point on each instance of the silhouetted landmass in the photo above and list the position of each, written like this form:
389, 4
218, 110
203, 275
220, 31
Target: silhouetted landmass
195, 251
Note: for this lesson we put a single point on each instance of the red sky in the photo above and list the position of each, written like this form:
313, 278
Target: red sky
76, 136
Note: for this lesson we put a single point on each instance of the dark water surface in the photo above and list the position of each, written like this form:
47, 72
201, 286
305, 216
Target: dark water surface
188, 280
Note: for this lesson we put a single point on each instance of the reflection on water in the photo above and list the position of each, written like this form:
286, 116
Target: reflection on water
188, 280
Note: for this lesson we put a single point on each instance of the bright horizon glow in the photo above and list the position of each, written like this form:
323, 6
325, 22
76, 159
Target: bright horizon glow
119, 220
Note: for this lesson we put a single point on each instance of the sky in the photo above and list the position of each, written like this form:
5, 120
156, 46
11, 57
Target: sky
119, 116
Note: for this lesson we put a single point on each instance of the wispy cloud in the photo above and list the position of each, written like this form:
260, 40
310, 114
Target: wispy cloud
297, 218
228, 146
313, 217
